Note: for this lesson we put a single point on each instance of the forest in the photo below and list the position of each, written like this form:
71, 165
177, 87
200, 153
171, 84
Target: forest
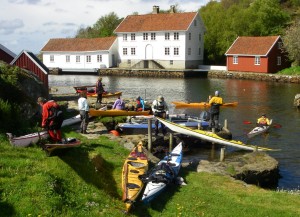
225, 20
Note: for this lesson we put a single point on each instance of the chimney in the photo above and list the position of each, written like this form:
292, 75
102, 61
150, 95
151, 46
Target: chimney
155, 9
172, 9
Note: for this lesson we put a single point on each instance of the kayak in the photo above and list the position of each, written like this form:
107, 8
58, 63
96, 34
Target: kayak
210, 137
162, 175
259, 130
26, 140
201, 104
136, 164
106, 113
91, 91
69, 143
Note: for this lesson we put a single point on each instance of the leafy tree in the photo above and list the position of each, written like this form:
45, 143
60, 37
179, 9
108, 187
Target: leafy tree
102, 28
291, 42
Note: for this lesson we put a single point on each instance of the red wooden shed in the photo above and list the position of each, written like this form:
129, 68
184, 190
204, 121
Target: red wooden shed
29, 61
257, 54
6, 55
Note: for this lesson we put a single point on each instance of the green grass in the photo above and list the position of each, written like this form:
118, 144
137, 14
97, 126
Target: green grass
290, 71
86, 181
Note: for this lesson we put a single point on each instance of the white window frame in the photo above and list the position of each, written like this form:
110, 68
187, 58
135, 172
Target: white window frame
257, 60
145, 36
99, 58
167, 51
167, 36
153, 36
176, 51
68, 59
235, 60
77, 59
132, 51
125, 53
51, 58
124, 37
88, 59
176, 36
132, 36
171, 62
279, 61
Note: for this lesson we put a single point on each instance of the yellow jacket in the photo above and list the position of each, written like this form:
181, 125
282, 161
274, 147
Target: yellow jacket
216, 100
263, 121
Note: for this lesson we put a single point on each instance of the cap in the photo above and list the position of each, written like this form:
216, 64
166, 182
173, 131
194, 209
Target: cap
41, 99
160, 98
217, 93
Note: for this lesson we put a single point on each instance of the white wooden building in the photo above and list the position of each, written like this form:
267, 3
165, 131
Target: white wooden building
80, 54
161, 40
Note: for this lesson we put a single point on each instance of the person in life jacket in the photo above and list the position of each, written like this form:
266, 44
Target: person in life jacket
263, 121
160, 109
99, 90
215, 102
52, 118
140, 104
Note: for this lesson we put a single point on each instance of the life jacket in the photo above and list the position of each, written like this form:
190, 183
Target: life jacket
262, 121
160, 106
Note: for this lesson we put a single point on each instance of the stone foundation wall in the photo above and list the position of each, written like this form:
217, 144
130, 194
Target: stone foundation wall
254, 76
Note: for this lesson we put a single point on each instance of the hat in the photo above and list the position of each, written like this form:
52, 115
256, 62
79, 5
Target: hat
217, 93
160, 98
41, 99
264, 115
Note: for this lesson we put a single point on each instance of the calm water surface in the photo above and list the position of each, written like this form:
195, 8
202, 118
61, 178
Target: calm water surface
254, 98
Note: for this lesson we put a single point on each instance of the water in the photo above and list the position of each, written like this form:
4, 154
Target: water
254, 98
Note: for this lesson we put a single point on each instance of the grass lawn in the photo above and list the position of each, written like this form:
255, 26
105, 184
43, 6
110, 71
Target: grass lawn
86, 181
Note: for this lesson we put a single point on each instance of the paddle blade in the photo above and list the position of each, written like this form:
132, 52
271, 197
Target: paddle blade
277, 126
247, 122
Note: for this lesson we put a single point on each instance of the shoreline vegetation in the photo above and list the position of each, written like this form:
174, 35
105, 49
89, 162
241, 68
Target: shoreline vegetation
86, 181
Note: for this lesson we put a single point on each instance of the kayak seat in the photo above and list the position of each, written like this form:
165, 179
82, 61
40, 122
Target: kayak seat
132, 158
132, 186
134, 171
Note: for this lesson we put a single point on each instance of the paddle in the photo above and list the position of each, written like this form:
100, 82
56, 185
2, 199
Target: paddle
277, 125
247, 122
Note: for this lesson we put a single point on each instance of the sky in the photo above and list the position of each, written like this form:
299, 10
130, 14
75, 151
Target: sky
29, 24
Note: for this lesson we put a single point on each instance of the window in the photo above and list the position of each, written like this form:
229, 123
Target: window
67, 59
51, 58
88, 59
129, 62
279, 45
235, 60
145, 36
99, 58
190, 36
171, 62
125, 51
278, 61
199, 51
132, 37
176, 51
167, 36
153, 36
133, 51
176, 35
189, 51
77, 59
195, 22
167, 51
124, 37
200, 37
257, 60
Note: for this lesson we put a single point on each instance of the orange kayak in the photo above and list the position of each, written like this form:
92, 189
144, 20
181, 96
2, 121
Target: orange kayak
201, 104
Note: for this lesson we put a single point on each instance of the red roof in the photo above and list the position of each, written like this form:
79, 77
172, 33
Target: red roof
252, 45
157, 22
79, 44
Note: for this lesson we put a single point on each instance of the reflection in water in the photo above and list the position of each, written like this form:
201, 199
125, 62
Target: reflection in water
254, 98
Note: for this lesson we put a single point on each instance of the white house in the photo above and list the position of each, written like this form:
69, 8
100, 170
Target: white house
161, 40
80, 54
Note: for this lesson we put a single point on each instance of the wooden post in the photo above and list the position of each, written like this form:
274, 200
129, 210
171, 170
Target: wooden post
149, 135
171, 142
222, 154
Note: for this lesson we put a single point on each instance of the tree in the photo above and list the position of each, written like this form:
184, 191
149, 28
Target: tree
291, 42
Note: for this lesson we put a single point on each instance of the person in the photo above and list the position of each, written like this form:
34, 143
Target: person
52, 118
83, 108
263, 121
119, 104
99, 90
140, 105
215, 102
160, 109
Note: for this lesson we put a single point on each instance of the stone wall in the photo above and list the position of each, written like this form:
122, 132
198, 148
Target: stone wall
254, 76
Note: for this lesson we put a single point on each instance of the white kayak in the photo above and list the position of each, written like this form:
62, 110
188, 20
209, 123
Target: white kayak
259, 130
210, 137
164, 173
26, 140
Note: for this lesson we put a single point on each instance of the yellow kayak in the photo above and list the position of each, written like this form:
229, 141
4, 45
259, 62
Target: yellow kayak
113, 112
136, 164
106, 95
201, 104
